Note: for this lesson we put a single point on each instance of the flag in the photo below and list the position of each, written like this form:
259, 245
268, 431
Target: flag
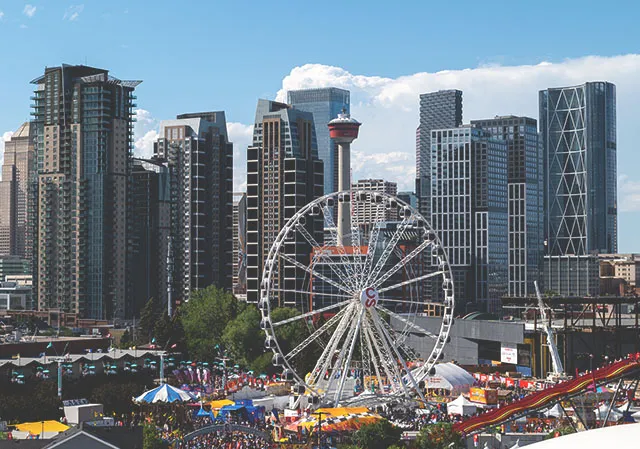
153, 340
109, 335
173, 346
42, 354
16, 356
50, 345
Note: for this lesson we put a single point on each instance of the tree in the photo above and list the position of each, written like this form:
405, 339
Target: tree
150, 438
439, 436
148, 319
243, 337
292, 334
164, 330
378, 435
125, 340
204, 319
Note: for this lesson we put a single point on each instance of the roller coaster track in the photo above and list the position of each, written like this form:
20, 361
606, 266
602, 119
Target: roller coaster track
549, 396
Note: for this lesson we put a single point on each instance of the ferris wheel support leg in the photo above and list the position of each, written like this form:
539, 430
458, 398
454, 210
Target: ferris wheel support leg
338, 369
395, 350
348, 360
373, 357
384, 361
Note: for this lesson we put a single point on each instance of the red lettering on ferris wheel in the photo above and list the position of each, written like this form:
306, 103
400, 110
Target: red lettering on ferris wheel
371, 297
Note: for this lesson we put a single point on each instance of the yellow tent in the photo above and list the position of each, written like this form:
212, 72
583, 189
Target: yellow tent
221, 403
341, 411
36, 428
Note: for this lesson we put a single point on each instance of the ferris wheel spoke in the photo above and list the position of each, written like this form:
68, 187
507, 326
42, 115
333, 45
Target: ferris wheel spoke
377, 348
314, 273
407, 322
340, 248
373, 242
378, 323
316, 334
311, 293
343, 275
388, 249
411, 281
313, 312
403, 262
402, 301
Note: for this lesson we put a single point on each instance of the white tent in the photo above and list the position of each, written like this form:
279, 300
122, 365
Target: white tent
461, 406
554, 412
601, 413
449, 376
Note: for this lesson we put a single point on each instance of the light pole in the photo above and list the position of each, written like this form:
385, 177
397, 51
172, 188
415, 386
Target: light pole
319, 414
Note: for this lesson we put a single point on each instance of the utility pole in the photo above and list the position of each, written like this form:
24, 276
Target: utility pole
319, 428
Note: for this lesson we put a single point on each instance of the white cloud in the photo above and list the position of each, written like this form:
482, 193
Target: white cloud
1, 15
4, 138
145, 133
389, 107
73, 12
29, 11
628, 194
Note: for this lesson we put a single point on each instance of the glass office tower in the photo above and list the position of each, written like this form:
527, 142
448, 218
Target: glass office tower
325, 104
578, 130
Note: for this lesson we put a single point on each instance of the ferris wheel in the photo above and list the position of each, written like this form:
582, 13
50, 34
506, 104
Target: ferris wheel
359, 293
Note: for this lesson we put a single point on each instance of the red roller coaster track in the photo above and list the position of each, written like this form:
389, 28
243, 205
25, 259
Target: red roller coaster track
548, 396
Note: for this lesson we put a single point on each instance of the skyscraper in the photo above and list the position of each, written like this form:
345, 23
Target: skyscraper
149, 231
83, 125
525, 199
240, 243
364, 212
325, 104
438, 110
18, 169
578, 129
469, 212
284, 173
200, 160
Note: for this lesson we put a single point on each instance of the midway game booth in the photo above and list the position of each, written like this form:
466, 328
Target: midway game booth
241, 411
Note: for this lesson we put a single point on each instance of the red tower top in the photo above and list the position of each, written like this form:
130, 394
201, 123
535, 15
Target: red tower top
344, 129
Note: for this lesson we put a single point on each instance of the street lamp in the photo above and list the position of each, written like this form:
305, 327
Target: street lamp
319, 428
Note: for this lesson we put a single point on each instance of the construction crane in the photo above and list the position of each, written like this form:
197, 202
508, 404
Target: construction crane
558, 370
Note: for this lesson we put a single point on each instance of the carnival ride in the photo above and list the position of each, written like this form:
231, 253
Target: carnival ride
349, 291
545, 398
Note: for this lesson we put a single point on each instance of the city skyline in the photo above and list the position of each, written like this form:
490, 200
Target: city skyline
498, 76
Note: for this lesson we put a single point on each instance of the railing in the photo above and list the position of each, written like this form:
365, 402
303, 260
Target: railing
542, 399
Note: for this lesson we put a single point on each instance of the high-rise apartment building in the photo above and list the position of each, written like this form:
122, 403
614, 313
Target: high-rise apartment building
438, 110
578, 131
83, 125
469, 212
240, 243
18, 170
200, 161
284, 173
325, 104
149, 230
365, 212
525, 195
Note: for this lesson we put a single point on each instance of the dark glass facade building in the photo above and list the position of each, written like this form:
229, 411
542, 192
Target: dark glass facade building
149, 231
578, 129
325, 104
200, 160
525, 196
438, 110
469, 212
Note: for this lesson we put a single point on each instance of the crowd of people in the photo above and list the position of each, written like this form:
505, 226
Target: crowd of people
226, 440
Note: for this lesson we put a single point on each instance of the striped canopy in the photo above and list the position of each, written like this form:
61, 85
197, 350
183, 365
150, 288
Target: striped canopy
165, 393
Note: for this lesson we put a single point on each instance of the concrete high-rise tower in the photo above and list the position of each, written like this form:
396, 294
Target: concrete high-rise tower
344, 130
83, 124
284, 174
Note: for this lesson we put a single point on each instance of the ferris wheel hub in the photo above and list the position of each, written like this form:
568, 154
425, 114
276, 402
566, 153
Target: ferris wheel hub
369, 297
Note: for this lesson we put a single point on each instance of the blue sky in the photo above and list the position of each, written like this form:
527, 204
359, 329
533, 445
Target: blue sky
204, 55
